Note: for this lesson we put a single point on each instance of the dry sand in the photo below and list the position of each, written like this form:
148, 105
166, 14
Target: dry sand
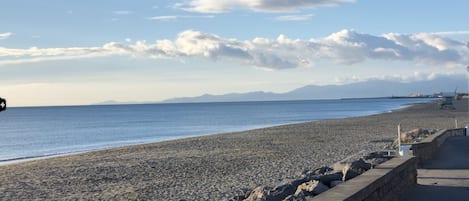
213, 167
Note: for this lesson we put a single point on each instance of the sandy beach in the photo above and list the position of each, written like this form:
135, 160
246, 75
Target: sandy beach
214, 167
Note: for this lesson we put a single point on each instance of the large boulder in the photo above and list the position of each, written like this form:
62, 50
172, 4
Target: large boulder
328, 178
335, 183
310, 188
360, 166
410, 136
285, 188
279, 192
346, 171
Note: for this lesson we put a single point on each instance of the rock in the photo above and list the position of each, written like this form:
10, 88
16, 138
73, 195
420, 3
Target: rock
376, 161
295, 198
237, 198
338, 167
328, 178
335, 183
242, 194
348, 174
409, 136
377, 154
322, 170
415, 135
282, 190
259, 194
360, 166
311, 188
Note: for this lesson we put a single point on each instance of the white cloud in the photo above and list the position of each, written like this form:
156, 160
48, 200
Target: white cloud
176, 17
217, 6
345, 47
408, 77
451, 33
122, 12
164, 17
294, 17
6, 35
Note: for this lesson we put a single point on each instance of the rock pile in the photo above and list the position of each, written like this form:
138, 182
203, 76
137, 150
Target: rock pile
416, 135
413, 136
313, 182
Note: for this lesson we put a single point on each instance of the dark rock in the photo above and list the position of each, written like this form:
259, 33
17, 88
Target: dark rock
328, 178
286, 188
376, 161
335, 183
377, 154
311, 188
349, 174
360, 166
237, 198
300, 197
322, 170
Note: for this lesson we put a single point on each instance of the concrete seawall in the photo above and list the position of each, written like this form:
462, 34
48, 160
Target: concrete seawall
426, 149
388, 180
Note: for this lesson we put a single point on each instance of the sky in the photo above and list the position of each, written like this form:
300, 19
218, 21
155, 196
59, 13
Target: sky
62, 52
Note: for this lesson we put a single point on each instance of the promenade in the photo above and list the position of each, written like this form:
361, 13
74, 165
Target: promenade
446, 177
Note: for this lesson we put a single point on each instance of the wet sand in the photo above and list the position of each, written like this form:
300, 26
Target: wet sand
214, 167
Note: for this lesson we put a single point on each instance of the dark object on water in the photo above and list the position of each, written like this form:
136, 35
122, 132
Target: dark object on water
3, 104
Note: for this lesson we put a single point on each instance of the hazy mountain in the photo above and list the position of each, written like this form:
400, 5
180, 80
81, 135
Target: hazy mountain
113, 102
371, 88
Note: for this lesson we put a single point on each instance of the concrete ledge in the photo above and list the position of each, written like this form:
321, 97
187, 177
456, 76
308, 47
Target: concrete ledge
385, 182
426, 149
390, 179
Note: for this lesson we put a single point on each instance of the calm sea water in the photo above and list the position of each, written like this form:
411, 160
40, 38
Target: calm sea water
30, 132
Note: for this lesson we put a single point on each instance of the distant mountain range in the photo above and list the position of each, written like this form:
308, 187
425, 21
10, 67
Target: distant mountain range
367, 89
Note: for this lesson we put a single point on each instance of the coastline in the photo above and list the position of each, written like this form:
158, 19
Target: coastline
116, 144
214, 167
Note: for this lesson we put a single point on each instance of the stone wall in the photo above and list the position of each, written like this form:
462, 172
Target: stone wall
388, 180
427, 148
385, 182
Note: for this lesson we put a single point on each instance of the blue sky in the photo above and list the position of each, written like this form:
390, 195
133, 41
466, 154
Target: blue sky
60, 52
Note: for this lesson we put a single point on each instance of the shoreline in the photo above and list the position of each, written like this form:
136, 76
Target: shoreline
215, 167
52, 155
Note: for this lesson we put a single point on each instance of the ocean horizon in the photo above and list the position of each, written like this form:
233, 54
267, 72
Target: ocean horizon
33, 132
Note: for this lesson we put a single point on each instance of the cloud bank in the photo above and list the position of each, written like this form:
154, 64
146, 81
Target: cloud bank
345, 47
6, 35
217, 6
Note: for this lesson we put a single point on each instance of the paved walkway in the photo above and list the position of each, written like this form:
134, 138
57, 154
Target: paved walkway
445, 178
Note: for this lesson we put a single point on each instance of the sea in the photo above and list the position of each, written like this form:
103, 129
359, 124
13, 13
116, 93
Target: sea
32, 132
